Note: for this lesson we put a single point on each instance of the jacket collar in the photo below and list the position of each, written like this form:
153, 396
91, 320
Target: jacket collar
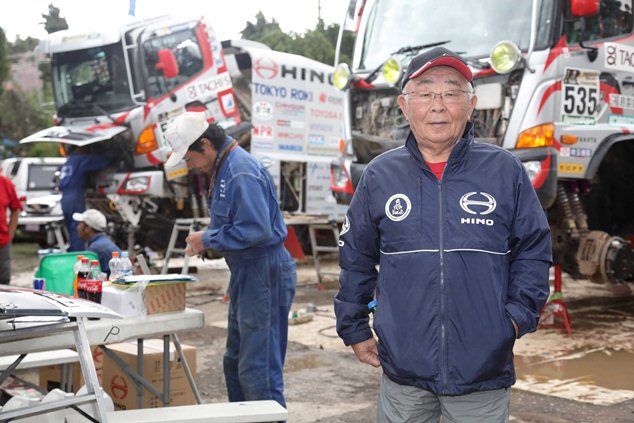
458, 152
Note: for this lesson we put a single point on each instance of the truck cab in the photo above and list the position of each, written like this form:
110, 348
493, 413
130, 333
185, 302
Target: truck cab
555, 86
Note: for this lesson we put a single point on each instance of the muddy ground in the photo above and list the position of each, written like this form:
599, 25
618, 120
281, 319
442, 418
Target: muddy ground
588, 377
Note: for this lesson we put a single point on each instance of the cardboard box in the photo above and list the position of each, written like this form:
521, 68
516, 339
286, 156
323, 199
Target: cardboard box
165, 297
122, 389
134, 302
50, 376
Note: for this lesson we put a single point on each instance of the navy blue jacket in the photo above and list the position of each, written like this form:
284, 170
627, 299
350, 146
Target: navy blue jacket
458, 259
244, 212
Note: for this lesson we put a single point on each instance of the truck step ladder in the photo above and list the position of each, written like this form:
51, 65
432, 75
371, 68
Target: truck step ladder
181, 225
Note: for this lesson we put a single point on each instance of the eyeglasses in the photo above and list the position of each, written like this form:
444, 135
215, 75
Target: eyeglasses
428, 97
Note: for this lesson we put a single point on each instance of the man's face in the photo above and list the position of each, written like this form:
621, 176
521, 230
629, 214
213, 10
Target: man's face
201, 161
438, 122
83, 231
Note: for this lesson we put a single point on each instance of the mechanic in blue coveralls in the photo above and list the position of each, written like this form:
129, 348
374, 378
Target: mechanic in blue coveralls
464, 250
248, 229
72, 183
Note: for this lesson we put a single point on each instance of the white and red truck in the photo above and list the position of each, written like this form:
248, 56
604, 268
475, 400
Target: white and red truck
555, 86
116, 90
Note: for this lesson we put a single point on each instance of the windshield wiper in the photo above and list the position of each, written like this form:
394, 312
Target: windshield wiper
416, 49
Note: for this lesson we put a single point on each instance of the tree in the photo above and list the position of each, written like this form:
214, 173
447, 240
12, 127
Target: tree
317, 44
20, 45
52, 21
4, 62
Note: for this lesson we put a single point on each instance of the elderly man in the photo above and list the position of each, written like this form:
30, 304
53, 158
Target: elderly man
464, 251
90, 228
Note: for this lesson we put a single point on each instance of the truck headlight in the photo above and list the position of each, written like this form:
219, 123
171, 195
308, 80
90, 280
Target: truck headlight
505, 57
392, 71
342, 77
532, 168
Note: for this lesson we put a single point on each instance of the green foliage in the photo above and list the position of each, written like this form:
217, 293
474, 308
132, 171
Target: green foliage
21, 116
4, 63
317, 44
23, 45
52, 21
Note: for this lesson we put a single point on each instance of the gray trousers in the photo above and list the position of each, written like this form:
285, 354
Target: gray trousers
5, 264
402, 403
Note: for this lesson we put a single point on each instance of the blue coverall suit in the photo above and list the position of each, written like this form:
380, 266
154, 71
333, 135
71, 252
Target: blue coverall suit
248, 228
72, 183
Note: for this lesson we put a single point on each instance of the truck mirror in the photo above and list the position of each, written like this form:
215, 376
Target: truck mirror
584, 8
167, 63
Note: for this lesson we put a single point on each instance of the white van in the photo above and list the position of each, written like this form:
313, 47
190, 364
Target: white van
34, 181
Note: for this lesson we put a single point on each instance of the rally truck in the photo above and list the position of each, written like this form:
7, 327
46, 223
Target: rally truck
555, 86
117, 89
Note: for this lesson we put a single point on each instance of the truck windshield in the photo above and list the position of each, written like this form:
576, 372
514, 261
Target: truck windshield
472, 28
90, 81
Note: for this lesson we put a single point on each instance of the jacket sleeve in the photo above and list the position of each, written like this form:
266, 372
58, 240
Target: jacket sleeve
92, 162
358, 257
249, 223
530, 258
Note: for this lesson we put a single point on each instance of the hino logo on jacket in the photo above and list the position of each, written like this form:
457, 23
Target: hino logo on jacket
478, 204
398, 207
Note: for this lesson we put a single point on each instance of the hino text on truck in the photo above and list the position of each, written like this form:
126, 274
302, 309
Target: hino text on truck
116, 91
555, 86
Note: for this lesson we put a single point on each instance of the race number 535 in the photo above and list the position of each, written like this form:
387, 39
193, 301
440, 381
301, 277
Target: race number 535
580, 100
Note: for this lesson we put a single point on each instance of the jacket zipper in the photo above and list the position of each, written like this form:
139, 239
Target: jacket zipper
443, 347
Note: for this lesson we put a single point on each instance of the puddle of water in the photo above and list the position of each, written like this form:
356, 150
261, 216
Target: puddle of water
302, 363
604, 368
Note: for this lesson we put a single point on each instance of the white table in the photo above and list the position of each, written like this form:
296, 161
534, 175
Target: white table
108, 331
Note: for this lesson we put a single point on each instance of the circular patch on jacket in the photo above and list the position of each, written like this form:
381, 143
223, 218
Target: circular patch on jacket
398, 207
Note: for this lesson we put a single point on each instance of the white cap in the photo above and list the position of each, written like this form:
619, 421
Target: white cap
93, 218
182, 132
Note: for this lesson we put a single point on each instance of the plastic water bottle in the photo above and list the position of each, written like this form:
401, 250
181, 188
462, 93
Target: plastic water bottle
114, 264
125, 267
75, 270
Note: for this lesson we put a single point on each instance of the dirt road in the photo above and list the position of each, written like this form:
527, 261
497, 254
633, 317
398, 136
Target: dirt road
588, 377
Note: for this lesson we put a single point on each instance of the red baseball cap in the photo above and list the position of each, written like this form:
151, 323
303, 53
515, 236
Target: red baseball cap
438, 56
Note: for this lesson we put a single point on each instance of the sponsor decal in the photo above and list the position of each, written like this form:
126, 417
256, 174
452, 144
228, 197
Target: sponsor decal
290, 147
262, 145
622, 101
398, 207
575, 152
580, 97
325, 114
209, 86
228, 104
476, 203
570, 168
290, 109
321, 127
304, 74
473, 203
587, 140
269, 90
316, 139
263, 131
325, 98
290, 135
266, 68
301, 95
619, 57
620, 120
263, 110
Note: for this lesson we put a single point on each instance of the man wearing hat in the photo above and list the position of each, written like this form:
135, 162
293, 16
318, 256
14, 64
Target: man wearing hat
248, 228
463, 249
90, 228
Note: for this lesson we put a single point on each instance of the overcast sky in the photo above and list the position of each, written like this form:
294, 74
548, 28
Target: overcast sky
23, 17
